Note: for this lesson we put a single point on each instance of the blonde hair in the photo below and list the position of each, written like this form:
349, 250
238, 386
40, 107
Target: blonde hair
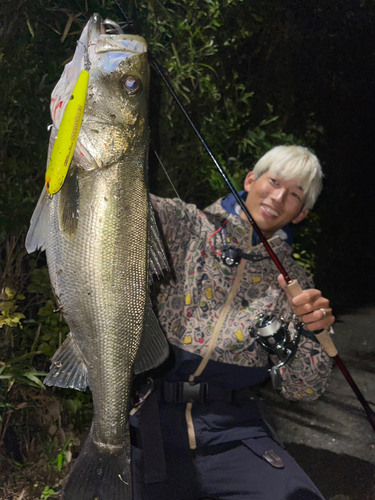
294, 162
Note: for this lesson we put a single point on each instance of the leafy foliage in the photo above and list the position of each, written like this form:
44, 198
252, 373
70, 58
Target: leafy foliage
305, 244
8, 308
202, 54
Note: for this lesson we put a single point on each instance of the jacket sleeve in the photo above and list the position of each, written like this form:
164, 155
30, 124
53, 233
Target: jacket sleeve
181, 224
307, 376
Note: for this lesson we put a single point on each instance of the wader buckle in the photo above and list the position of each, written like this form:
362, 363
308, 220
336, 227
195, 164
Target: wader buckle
194, 393
185, 392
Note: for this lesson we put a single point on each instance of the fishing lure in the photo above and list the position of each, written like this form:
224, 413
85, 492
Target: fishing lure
67, 136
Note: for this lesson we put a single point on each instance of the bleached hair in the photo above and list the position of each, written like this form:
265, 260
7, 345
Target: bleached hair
294, 162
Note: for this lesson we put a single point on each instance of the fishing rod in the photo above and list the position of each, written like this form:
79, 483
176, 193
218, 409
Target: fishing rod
293, 287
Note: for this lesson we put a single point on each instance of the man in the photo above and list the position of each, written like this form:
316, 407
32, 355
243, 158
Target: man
207, 437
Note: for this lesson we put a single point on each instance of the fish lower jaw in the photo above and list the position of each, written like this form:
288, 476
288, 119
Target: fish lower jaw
96, 119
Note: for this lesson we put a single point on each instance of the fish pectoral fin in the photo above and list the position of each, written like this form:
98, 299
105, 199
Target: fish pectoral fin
69, 205
158, 259
154, 346
35, 238
68, 368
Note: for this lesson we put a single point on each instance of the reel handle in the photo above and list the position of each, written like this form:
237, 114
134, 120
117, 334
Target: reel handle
293, 288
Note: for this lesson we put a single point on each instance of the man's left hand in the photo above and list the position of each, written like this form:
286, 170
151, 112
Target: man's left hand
310, 307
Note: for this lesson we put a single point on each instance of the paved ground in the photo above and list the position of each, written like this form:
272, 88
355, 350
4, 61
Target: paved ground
331, 438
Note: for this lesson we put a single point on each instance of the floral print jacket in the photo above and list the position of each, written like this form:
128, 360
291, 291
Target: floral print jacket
205, 292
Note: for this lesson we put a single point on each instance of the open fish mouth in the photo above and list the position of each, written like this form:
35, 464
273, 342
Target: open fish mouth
109, 27
108, 46
104, 27
107, 35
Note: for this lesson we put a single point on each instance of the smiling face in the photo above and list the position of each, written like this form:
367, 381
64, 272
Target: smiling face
273, 201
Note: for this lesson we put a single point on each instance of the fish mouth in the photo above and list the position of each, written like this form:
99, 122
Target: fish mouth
108, 46
98, 26
93, 118
108, 36
108, 26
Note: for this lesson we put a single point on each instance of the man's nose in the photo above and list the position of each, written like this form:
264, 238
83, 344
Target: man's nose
278, 195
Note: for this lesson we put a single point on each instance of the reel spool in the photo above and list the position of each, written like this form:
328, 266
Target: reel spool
273, 335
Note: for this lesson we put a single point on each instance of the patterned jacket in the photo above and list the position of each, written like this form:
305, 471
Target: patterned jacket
208, 308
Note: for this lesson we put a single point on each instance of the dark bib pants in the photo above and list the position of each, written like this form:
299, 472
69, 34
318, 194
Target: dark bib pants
232, 433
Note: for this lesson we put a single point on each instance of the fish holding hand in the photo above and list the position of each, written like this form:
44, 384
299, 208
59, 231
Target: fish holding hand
102, 247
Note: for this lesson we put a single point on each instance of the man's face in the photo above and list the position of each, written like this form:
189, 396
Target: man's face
273, 202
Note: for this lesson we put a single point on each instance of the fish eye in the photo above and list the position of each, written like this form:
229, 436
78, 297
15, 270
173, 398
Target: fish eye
131, 85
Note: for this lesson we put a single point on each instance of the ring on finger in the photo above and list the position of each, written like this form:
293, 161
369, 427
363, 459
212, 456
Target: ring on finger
324, 312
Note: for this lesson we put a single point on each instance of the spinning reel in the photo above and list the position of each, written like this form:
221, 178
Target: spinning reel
273, 335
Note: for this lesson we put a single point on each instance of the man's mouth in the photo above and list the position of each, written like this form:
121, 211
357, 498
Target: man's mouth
270, 211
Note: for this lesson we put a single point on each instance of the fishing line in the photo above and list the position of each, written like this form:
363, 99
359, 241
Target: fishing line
175, 190
167, 176
123, 13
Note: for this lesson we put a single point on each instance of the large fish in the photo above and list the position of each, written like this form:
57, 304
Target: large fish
102, 245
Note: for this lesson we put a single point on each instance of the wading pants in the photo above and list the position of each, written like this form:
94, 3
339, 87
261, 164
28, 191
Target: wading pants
230, 471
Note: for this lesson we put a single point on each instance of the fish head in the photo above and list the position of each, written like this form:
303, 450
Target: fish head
115, 120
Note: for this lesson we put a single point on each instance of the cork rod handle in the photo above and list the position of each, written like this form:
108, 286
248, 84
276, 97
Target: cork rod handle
294, 289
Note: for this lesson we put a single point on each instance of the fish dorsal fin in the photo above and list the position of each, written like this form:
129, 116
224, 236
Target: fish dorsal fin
158, 259
69, 205
68, 368
154, 346
36, 236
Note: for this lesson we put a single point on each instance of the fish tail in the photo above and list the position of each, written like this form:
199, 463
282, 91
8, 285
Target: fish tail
99, 474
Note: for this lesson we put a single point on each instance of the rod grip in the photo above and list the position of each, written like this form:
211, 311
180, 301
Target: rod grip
293, 289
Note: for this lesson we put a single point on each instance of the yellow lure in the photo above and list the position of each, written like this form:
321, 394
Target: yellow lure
67, 135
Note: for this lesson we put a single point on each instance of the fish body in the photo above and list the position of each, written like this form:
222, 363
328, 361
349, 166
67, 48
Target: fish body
102, 245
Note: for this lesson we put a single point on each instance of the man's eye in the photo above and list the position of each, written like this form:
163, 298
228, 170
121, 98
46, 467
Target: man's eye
295, 195
274, 181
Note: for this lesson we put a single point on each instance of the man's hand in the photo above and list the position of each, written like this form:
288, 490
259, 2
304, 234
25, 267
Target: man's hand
310, 307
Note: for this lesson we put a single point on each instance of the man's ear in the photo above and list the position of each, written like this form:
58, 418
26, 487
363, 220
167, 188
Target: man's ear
300, 217
249, 179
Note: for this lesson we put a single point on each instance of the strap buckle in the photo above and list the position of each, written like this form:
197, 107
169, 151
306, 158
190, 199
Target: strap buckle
194, 393
185, 392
